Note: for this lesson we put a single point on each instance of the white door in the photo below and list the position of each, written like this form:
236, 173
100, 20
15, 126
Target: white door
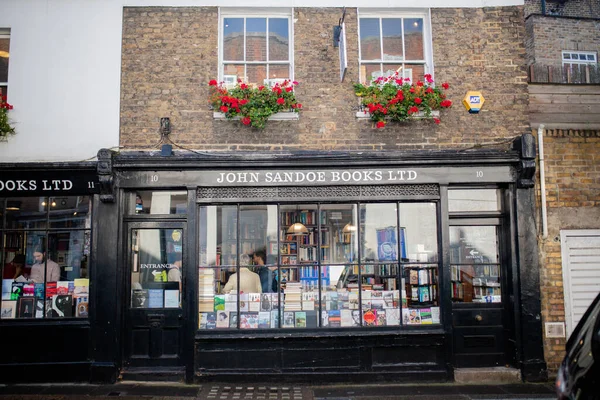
580, 250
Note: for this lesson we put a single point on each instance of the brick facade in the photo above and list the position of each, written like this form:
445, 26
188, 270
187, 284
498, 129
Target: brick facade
170, 54
571, 8
572, 168
547, 36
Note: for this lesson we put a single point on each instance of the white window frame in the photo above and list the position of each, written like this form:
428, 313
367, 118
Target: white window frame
425, 14
5, 34
579, 61
237, 12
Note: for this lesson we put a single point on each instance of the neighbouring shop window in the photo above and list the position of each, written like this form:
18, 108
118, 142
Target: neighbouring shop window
45, 251
394, 42
318, 266
156, 268
255, 49
4, 57
158, 202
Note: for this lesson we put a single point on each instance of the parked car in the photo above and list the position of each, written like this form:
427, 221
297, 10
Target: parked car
579, 373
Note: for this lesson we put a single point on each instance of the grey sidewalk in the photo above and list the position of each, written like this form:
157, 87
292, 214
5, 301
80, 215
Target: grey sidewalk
224, 391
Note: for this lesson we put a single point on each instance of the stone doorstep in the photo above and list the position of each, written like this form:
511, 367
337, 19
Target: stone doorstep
497, 375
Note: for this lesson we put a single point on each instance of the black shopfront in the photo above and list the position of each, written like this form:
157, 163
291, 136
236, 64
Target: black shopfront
314, 266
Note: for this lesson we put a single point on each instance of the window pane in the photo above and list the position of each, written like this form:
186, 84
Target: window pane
233, 72
3, 90
26, 212
256, 39
418, 230
159, 202
476, 278
67, 256
233, 39
256, 74
369, 72
156, 268
279, 42
474, 200
415, 72
279, 71
70, 212
370, 44
392, 39
4, 56
421, 294
474, 245
378, 224
413, 38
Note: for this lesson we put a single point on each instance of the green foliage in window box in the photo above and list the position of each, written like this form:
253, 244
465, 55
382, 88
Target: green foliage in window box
394, 98
253, 104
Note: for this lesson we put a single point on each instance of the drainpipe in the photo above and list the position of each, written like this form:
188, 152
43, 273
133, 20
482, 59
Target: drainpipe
543, 7
542, 180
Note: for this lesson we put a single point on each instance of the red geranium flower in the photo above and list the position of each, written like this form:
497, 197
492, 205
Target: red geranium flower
280, 100
380, 124
418, 100
243, 86
446, 103
419, 83
289, 89
445, 85
211, 83
436, 120
224, 109
243, 102
246, 121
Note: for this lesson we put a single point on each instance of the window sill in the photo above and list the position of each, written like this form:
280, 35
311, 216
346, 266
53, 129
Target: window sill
419, 115
281, 116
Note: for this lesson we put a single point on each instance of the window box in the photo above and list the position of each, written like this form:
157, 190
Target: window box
280, 116
419, 115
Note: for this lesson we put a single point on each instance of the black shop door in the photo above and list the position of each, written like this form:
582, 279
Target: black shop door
154, 316
482, 331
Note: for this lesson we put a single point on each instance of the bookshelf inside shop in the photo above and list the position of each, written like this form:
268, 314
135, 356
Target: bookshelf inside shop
476, 283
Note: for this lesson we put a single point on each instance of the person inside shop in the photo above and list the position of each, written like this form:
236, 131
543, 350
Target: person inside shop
267, 278
174, 273
44, 267
249, 281
15, 268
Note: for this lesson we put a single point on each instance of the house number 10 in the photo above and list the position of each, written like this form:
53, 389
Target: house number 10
479, 174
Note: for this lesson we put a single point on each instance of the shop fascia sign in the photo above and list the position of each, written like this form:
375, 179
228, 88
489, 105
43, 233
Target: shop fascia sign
23, 183
320, 177
356, 176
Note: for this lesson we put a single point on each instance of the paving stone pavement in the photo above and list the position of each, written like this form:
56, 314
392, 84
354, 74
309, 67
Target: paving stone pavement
228, 391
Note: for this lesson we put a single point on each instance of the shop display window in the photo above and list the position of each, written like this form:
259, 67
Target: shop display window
45, 249
297, 266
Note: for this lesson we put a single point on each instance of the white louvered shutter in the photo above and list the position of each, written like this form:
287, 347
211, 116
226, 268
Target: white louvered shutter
580, 250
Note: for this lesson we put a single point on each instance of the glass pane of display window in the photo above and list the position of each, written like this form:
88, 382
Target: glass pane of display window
420, 304
233, 39
418, 232
472, 200
475, 264
156, 268
379, 230
340, 222
26, 212
70, 212
159, 202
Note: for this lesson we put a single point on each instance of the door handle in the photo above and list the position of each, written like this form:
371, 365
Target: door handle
478, 318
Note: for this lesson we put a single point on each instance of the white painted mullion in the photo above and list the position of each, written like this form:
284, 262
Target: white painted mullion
403, 47
381, 46
221, 33
267, 44
245, 59
291, 67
